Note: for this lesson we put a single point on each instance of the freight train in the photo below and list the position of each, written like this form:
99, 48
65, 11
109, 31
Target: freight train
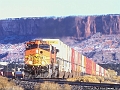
51, 58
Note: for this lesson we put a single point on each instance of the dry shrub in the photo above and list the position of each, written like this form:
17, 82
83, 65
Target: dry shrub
13, 88
47, 86
51, 86
96, 79
118, 79
66, 87
86, 78
5, 84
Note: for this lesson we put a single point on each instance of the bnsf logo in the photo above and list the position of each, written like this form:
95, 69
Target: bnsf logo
34, 57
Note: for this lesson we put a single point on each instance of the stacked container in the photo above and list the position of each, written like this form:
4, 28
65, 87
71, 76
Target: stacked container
88, 66
61, 54
102, 71
79, 63
8, 74
73, 60
69, 57
19, 74
76, 62
83, 64
93, 68
97, 69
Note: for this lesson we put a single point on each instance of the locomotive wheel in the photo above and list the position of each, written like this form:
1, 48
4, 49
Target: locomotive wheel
70, 75
56, 74
46, 74
61, 74
27, 75
66, 74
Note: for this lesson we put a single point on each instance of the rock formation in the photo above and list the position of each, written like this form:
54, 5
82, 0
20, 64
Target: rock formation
75, 26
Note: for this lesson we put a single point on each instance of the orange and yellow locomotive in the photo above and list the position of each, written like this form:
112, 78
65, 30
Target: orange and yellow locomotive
40, 60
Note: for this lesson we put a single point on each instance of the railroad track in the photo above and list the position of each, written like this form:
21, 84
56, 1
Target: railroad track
82, 84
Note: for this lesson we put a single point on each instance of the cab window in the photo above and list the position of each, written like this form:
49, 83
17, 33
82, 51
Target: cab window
31, 46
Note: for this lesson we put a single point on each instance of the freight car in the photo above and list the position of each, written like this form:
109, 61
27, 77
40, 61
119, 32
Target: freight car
12, 74
51, 58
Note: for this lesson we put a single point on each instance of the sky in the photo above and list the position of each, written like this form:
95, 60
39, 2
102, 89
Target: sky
57, 8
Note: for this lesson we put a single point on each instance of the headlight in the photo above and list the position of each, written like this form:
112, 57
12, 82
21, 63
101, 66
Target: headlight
43, 63
37, 51
30, 62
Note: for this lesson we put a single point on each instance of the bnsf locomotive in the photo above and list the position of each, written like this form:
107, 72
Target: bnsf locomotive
51, 58
40, 60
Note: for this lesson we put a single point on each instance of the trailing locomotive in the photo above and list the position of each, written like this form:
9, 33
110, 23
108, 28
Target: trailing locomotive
51, 58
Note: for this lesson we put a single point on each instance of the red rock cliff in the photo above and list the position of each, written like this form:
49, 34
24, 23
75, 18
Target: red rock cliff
75, 26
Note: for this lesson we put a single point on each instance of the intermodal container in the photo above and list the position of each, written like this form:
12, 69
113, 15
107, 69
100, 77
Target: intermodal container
76, 57
80, 59
70, 67
88, 66
83, 64
19, 74
93, 68
58, 44
64, 52
68, 54
61, 65
75, 67
97, 69
66, 66
73, 60
100, 71
8, 74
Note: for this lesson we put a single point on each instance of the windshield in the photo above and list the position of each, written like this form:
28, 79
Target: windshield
44, 46
31, 46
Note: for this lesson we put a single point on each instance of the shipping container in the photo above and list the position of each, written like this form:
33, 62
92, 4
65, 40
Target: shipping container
83, 65
78, 69
70, 53
88, 66
59, 45
70, 69
73, 60
76, 57
102, 71
8, 74
64, 52
93, 68
19, 74
97, 69
61, 65
66, 66
67, 53
80, 62
79, 58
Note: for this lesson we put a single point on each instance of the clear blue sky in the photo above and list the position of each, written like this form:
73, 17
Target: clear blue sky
41, 8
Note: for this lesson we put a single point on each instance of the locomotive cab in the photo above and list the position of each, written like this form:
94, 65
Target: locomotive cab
40, 59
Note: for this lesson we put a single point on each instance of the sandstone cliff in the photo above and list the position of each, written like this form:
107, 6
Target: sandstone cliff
75, 26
